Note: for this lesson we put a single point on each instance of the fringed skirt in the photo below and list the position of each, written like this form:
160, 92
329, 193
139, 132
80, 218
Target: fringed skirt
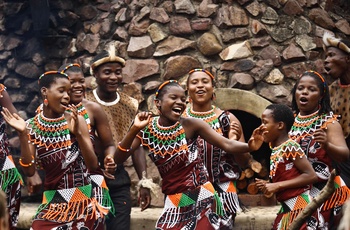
200, 208
290, 209
101, 192
228, 195
10, 183
74, 208
330, 212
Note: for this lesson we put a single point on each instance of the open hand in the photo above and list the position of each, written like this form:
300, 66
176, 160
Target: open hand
142, 119
257, 138
14, 120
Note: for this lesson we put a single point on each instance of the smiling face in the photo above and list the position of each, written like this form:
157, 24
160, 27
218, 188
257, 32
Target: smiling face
171, 104
336, 63
109, 76
271, 126
307, 95
78, 86
200, 88
57, 95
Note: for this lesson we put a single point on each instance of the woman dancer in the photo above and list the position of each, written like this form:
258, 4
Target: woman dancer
319, 134
60, 140
291, 173
224, 169
10, 179
191, 201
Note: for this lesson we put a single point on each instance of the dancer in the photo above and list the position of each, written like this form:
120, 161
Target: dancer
224, 169
337, 65
60, 140
291, 173
120, 110
319, 134
10, 178
98, 126
191, 201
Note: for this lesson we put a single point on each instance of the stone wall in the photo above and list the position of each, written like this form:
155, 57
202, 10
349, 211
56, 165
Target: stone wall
255, 45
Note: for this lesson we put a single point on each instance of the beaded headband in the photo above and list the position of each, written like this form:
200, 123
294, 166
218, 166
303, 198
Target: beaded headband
202, 70
319, 75
164, 84
52, 72
330, 40
69, 66
110, 58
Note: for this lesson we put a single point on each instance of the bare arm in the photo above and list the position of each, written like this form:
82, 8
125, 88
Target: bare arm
6, 102
129, 143
242, 159
307, 177
332, 140
78, 127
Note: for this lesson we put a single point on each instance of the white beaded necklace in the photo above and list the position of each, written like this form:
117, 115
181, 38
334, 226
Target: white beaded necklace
106, 103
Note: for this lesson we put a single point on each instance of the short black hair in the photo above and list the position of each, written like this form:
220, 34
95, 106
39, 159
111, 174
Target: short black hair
282, 113
50, 77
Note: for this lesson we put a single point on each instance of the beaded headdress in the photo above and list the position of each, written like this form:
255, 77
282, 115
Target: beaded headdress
69, 66
110, 58
52, 72
330, 40
164, 84
202, 70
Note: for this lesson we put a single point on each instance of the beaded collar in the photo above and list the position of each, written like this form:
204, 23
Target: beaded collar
209, 117
49, 132
306, 125
164, 140
99, 100
287, 150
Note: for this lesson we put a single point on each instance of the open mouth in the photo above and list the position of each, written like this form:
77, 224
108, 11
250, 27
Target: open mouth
303, 100
200, 92
177, 111
327, 69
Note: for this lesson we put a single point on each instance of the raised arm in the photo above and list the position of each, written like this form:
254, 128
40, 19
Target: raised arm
27, 159
129, 143
194, 127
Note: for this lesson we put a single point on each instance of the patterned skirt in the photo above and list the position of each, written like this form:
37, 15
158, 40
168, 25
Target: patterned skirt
330, 212
200, 208
290, 209
73, 208
10, 183
228, 195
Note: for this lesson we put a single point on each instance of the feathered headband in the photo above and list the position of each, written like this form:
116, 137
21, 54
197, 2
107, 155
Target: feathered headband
330, 40
110, 58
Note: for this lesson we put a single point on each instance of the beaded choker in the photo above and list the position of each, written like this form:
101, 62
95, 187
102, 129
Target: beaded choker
287, 150
99, 100
49, 132
306, 125
164, 140
343, 86
209, 117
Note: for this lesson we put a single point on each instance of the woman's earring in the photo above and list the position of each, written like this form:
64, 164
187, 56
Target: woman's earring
46, 102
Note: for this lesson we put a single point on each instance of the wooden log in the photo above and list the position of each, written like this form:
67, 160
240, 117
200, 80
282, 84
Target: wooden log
249, 173
263, 173
241, 184
242, 177
256, 166
252, 188
324, 194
